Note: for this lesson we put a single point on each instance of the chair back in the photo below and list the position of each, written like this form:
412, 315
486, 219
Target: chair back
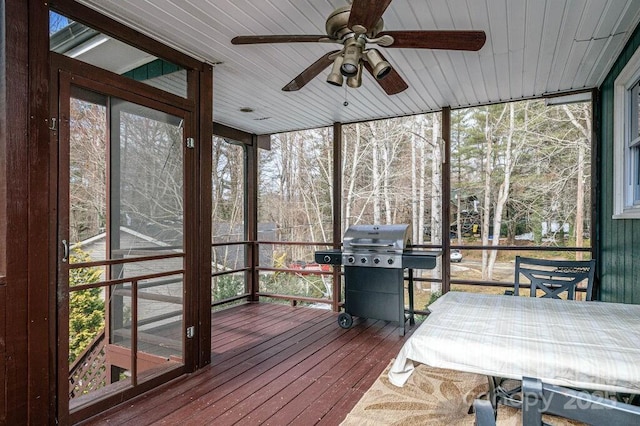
589, 408
555, 277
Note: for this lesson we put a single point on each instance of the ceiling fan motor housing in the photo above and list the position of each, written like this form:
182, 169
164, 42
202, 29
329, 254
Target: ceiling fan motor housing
338, 24
356, 26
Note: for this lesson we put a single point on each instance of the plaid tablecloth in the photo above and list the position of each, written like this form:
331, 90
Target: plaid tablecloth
586, 345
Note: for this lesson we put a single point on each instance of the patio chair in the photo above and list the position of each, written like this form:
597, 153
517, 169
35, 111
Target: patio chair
540, 398
555, 277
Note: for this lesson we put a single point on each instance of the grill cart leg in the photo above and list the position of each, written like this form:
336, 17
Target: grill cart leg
412, 316
345, 320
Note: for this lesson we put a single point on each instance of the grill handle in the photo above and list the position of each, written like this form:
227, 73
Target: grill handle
372, 244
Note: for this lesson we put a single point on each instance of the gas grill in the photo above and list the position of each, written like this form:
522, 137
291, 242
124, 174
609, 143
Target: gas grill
374, 258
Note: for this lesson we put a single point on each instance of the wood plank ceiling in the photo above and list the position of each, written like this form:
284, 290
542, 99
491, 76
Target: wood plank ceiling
533, 48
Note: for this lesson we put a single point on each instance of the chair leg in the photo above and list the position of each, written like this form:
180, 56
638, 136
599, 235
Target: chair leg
499, 393
485, 415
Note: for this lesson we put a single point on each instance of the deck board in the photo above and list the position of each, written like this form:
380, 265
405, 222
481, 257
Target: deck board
271, 364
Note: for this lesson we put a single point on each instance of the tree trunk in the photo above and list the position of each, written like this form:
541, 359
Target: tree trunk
437, 233
586, 133
486, 205
352, 174
503, 193
375, 172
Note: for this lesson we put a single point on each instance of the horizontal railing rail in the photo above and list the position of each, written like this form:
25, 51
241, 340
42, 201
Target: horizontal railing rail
455, 281
108, 283
110, 262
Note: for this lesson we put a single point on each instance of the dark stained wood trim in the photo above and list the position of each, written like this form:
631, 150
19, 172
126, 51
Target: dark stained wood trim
191, 224
123, 261
596, 189
54, 85
294, 298
337, 210
126, 88
230, 133
3, 352
15, 81
110, 27
4, 18
205, 122
446, 200
251, 214
104, 404
62, 271
264, 142
4, 117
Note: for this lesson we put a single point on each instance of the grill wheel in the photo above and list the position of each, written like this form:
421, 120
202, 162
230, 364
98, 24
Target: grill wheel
345, 320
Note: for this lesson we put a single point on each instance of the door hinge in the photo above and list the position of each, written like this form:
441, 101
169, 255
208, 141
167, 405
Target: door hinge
191, 331
191, 143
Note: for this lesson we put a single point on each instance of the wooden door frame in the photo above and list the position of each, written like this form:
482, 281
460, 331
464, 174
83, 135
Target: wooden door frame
73, 72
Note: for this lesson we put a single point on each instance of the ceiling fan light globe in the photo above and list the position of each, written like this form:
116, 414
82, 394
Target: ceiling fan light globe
355, 81
353, 51
348, 69
381, 70
335, 77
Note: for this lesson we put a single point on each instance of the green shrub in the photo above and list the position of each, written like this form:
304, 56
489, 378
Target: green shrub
86, 307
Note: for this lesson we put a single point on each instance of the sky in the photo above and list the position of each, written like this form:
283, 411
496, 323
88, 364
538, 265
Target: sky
57, 22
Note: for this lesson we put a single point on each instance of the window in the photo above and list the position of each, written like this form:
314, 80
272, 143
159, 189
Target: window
627, 141
86, 44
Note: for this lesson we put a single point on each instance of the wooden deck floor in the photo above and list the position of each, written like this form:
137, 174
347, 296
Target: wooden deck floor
271, 364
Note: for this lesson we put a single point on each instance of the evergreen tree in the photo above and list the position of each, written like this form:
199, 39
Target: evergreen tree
86, 307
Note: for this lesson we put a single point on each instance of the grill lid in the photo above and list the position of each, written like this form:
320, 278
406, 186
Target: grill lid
377, 238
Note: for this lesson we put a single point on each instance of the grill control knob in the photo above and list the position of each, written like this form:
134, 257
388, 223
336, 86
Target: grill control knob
376, 260
351, 259
363, 260
390, 261
327, 258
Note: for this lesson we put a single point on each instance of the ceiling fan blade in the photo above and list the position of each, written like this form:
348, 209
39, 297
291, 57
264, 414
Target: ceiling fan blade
392, 83
366, 13
450, 40
280, 39
309, 74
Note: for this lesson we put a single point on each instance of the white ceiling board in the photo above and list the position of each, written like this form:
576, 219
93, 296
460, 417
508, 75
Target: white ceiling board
533, 31
533, 47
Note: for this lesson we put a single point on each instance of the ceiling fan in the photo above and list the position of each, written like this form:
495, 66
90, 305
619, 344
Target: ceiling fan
357, 26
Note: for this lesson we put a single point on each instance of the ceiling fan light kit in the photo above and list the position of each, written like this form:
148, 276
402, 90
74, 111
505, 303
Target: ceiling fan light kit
381, 68
356, 26
352, 55
356, 80
335, 76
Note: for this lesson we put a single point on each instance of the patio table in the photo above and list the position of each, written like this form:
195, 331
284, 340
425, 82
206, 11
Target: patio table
584, 345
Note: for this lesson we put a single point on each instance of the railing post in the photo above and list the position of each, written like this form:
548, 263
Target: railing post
337, 209
251, 231
446, 199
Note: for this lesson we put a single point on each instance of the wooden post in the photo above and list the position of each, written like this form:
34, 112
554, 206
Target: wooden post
337, 209
446, 199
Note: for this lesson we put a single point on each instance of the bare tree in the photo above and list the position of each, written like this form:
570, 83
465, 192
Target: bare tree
584, 127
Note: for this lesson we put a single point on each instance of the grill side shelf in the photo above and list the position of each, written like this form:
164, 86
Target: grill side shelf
328, 257
420, 259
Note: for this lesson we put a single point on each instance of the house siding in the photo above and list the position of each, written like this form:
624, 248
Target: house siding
619, 245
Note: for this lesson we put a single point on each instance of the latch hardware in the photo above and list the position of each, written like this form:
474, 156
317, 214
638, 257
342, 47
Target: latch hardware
191, 331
